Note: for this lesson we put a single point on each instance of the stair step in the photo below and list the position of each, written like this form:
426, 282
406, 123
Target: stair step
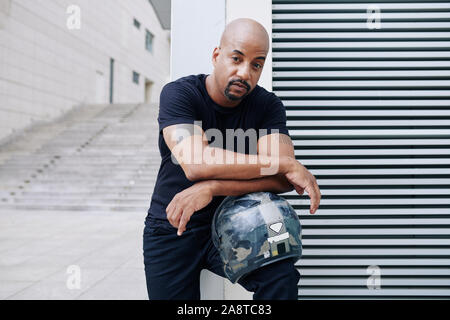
76, 201
89, 208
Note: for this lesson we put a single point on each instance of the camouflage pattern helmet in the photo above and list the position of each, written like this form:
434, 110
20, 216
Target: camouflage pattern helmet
254, 230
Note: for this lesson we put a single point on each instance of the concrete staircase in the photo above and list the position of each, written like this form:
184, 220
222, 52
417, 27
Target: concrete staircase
96, 158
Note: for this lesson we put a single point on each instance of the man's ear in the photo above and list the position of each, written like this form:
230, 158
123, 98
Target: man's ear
215, 55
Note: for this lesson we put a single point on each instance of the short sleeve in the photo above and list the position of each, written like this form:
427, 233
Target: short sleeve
274, 117
176, 105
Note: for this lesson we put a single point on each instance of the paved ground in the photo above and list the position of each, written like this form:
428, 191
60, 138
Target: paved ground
73, 199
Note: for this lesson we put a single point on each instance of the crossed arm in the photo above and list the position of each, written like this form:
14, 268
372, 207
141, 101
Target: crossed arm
220, 172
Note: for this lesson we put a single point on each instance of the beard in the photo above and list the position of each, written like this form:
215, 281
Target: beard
233, 97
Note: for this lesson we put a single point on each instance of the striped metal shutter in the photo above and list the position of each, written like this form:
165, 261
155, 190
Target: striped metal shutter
369, 113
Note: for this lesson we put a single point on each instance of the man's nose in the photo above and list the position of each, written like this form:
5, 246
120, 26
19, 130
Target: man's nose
244, 72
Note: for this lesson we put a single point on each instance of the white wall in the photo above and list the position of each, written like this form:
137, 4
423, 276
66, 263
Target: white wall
46, 69
196, 29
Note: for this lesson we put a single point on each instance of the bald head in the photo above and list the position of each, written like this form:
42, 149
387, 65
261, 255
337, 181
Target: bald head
245, 32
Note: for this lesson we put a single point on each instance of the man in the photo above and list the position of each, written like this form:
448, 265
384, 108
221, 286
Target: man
189, 187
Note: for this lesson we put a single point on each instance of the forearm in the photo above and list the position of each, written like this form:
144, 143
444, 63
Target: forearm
275, 184
216, 163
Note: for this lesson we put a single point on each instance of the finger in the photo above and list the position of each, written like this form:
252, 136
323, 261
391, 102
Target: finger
169, 213
169, 207
184, 220
299, 190
172, 203
175, 217
313, 198
319, 196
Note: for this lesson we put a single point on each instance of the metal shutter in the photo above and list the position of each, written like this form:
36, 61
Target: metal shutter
369, 113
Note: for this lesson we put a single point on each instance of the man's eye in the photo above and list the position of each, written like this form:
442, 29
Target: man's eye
257, 66
236, 59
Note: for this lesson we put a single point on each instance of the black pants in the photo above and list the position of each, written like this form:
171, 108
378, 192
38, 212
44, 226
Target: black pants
173, 264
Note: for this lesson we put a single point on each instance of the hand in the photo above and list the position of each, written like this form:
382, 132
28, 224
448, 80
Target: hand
186, 202
303, 180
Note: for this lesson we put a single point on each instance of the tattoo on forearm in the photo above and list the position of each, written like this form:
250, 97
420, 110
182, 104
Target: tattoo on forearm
185, 130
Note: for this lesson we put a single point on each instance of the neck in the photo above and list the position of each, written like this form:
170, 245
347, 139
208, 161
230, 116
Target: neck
216, 95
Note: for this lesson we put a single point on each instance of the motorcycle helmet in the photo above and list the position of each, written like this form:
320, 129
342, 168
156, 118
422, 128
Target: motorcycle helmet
254, 230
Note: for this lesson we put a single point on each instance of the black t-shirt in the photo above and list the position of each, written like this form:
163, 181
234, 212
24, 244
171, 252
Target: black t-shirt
186, 100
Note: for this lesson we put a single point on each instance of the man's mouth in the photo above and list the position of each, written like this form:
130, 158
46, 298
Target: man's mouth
240, 85
242, 89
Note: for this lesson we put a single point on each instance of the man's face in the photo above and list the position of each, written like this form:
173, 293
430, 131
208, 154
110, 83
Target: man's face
237, 68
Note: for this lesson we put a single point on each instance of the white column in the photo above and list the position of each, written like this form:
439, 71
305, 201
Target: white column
261, 11
196, 27
195, 31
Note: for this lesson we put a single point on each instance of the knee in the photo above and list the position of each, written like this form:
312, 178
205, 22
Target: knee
285, 271
277, 280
